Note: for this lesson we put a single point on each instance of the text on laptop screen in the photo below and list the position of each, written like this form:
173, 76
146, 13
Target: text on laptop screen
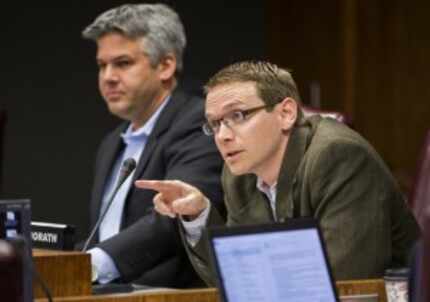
274, 266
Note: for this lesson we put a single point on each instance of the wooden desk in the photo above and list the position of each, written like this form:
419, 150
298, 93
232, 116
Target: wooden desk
65, 273
192, 295
361, 287
211, 294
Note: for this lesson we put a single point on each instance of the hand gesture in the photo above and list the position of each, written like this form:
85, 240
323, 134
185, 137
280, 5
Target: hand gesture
175, 197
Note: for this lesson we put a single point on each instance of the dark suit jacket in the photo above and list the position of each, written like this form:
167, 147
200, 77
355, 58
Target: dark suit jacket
148, 250
330, 173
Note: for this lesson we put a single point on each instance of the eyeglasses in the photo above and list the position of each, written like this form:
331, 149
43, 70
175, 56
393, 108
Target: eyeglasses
230, 120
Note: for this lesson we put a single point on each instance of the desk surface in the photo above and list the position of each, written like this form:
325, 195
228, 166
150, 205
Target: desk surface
211, 294
68, 275
162, 295
49, 253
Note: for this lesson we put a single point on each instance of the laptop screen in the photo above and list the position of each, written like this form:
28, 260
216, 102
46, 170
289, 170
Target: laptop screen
282, 262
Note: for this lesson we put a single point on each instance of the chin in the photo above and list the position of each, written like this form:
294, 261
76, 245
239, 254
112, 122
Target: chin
122, 113
237, 170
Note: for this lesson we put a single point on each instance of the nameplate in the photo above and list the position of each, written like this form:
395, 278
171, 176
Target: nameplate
53, 236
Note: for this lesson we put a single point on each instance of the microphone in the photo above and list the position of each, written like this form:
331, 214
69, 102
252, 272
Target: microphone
128, 166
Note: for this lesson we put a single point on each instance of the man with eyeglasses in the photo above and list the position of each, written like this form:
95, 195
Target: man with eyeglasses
280, 165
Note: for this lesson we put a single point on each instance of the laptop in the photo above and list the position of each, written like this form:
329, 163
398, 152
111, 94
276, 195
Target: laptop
272, 263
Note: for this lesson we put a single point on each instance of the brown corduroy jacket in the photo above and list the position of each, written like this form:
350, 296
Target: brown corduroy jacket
330, 173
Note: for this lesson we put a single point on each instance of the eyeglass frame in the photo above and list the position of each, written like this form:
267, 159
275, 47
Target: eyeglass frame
211, 131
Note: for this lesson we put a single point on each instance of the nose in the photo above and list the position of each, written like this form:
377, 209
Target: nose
109, 74
225, 132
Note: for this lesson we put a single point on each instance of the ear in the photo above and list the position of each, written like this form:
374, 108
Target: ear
167, 67
288, 113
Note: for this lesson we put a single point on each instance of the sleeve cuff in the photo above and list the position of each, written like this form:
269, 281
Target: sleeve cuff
103, 265
194, 228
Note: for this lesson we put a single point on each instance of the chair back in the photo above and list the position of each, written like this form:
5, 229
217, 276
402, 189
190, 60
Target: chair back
424, 280
340, 117
419, 279
419, 199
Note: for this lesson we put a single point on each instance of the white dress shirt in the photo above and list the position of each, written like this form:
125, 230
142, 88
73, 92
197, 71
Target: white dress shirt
194, 228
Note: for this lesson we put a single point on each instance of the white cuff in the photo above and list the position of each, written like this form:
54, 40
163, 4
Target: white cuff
105, 268
194, 228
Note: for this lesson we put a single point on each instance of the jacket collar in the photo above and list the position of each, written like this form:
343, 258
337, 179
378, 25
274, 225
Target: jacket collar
298, 142
115, 144
177, 102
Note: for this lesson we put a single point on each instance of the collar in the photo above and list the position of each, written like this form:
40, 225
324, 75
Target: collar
269, 191
130, 136
263, 187
298, 142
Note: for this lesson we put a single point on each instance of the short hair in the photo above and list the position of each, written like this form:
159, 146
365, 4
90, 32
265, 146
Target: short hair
272, 82
157, 24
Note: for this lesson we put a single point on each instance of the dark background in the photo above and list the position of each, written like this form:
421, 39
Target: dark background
56, 117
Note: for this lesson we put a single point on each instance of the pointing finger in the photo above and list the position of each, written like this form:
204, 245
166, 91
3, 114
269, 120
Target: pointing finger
159, 185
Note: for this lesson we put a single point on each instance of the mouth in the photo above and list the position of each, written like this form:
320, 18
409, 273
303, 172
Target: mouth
113, 95
232, 155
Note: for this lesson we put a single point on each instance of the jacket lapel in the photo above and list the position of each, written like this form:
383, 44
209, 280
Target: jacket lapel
105, 164
294, 153
177, 101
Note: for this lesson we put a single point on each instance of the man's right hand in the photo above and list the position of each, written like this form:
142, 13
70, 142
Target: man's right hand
175, 197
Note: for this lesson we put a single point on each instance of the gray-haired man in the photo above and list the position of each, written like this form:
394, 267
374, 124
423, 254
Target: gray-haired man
139, 54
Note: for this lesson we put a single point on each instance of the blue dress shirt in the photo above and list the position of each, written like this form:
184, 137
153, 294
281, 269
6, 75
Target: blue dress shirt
135, 142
